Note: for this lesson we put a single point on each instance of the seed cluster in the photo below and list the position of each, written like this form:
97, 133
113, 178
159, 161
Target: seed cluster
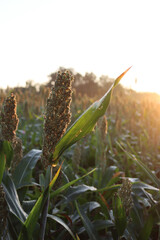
9, 119
125, 195
9, 124
18, 153
3, 211
58, 115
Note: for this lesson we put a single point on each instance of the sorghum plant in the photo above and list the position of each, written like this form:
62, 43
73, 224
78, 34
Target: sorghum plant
58, 115
9, 125
125, 195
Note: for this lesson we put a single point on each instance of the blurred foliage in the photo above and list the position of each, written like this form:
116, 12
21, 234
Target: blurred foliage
92, 204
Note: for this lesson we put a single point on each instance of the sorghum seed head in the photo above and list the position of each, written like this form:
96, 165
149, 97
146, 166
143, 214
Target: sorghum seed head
125, 194
57, 116
9, 119
18, 153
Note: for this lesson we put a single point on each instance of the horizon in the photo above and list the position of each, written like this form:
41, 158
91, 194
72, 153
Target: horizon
104, 37
36, 84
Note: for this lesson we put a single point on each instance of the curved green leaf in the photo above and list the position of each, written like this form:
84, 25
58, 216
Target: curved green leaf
60, 221
6, 154
23, 173
87, 223
7, 149
144, 168
85, 123
31, 221
64, 187
2, 165
99, 225
32, 218
147, 229
12, 198
74, 192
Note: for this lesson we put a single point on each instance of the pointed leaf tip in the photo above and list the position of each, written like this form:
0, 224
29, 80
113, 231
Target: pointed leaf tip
121, 76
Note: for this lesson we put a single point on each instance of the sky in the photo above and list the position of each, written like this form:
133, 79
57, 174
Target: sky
100, 36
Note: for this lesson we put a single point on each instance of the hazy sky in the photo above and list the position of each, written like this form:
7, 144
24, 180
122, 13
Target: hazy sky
101, 36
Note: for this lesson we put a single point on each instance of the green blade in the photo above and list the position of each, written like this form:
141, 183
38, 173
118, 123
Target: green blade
23, 173
32, 218
2, 165
64, 187
8, 150
145, 169
92, 233
6, 154
147, 229
86, 122
119, 215
12, 198
60, 221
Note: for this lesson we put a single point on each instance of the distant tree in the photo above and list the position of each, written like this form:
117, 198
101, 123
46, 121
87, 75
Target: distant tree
90, 85
78, 80
105, 79
87, 84
105, 82
29, 83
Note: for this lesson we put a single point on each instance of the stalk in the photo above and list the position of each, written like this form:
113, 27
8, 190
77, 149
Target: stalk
57, 118
44, 214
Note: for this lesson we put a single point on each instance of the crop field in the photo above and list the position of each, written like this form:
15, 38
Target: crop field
79, 163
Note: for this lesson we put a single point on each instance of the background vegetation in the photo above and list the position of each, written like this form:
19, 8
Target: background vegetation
126, 147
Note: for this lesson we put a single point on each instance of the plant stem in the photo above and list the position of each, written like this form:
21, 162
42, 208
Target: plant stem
44, 214
44, 219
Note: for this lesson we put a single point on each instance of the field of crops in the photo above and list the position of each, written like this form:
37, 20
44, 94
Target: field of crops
79, 167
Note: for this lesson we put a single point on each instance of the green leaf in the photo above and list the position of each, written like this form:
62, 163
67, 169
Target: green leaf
88, 207
8, 151
64, 187
60, 221
74, 192
86, 122
6, 154
2, 165
23, 173
12, 198
55, 177
110, 188
145, 169
100, 224
147, 229
87, 223
119, 214
32, 218
139, 185
28, 205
